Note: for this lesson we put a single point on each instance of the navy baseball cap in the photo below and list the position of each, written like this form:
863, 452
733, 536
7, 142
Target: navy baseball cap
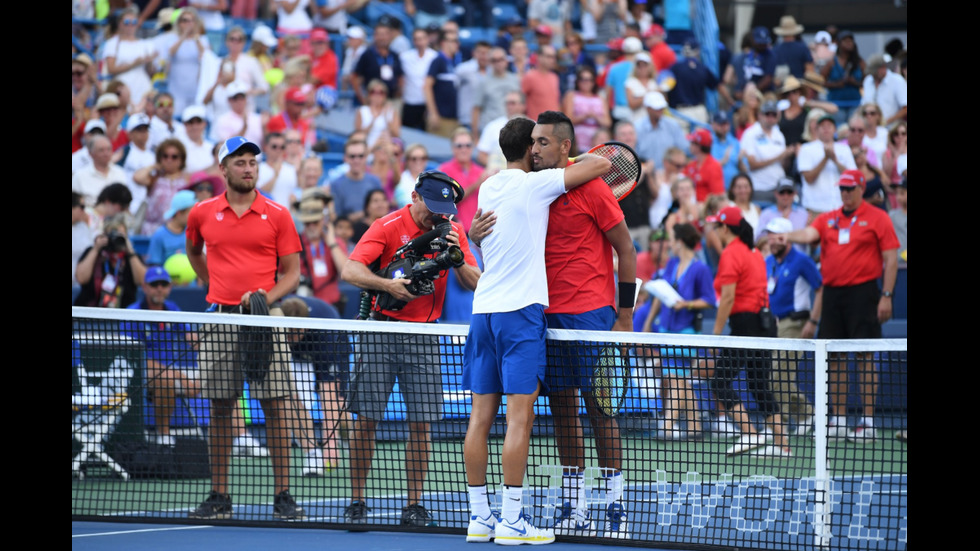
233, 144
439, 192
761, 35
155, 274
720, 117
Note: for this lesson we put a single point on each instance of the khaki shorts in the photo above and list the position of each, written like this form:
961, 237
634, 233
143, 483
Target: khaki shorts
221, 368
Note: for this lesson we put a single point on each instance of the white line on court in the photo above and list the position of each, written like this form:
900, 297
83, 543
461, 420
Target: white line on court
120, 532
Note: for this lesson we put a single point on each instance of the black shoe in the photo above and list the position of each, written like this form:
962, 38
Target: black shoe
416, 515
356, 512
284, 507
215, 507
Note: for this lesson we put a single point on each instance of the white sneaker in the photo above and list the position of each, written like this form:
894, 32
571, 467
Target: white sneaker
616, 525
747, 442
166, 440
520, 532
724, 428
313, 463
837, 431
804, 427
481, 530
773, 452
248, 446
573, 522
862, 434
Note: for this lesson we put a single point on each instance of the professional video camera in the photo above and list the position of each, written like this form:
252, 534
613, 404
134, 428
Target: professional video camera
413, 261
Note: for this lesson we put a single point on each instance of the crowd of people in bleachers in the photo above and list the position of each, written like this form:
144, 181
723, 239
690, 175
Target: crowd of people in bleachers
156, 91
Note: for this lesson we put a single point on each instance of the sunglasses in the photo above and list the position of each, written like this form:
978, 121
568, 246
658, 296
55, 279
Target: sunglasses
845, 189
293, 142
901, 133
770, 114
462, 145
236, 39
171, 156
414, 159
203, 187
77, 73
158, 284
195, 120
498, 59
130, 21
377, 92
164, 104
857, 130
185, 20
276, 146
869, 113
356, 155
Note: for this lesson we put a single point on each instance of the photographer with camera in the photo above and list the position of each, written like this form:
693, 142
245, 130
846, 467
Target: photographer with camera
109, 271
404, 258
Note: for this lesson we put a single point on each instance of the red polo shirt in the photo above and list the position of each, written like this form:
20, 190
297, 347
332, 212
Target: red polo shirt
384, 237
747, 270
578, 256
707, 178
243, 253
859, 260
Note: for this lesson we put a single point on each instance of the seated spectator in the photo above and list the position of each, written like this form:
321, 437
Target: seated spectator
785, 207
295, 147
356, 45
163, 180
656, 132
198, 148
85, 89
171, 355
900, 218
376, 206
236, 67
81, 158
642, 80
685, 208
295, 116
488, 152
169, 239
898, 150
349, 190
875, 135
163, 126
378, 117
81, 235
109, 271
704, 169
586, 109
386, 163
137, 155
416, 160
276, 177
309, 176
323, 254
489, 101
90, 180
112, 113
724, 146
114, 199
540, 84
324, 66
238, 120
740, 194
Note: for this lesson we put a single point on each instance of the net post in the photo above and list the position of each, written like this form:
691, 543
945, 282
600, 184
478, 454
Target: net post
821, 392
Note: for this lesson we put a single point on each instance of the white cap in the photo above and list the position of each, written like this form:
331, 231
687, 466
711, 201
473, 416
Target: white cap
644, 57
264, 35
136, 120
194, 111
93, 124
356, 32
632, 45
823, 37
654, 100
779, 225
236, 88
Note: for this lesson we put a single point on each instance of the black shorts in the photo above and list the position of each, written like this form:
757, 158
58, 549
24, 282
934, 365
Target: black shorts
851, 312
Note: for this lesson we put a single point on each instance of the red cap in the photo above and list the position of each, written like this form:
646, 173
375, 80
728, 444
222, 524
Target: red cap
295, 95
730, 216
655, 30
319, 35
851, 178
701, 136
615, 44
543, 29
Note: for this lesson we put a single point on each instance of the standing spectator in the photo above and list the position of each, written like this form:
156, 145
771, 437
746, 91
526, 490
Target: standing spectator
764, 150
900, 218
277, 178
379, 62
162, 180
169, 238
109, 271
350, 189
785, 207
617, 74
488, 152
586, 109
405, 358
239, 120
555, 15
489, 104
468, 174
540, 84
693, 80
854, 130
704, 170
415, 64
520, 60
324, 67
642, 80
759, 65
378, 117
573, 57
236, 67
199, 156
292, 17
886, 89
90, 180
356, 45
793, 276
137, 155
163, 126
656, 133
609, 16
792, 56
258, 240
898, 149
724, 147
441, 88
744, 305
332, 14
844, 75
858, 247
875, 135
183, 50
426, 13
472, 75
821, 164
127, 57
662, 54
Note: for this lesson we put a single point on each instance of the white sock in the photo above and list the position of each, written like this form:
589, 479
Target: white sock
572, 488
479, 505
614, 492
513, 503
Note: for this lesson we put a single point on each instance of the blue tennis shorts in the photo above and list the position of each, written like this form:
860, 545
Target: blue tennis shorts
571, 366
505, 352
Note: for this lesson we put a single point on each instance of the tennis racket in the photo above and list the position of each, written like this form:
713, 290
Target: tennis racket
625, 173
610, 379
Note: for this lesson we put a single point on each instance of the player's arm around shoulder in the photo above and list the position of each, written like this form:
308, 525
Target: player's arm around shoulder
469, 273
585, 168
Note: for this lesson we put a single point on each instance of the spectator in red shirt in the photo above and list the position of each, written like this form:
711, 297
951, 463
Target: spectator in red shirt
294, 116
704, 170
663, 56
540, 84
325, 64
469, 174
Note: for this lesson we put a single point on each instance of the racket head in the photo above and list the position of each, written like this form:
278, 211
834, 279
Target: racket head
609, 380
626, 170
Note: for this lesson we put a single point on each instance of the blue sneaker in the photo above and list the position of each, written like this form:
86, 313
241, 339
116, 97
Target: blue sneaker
616, 526
573, 522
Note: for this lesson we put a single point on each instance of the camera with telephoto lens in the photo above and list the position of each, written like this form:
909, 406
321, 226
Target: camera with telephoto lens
414, 261
117, 241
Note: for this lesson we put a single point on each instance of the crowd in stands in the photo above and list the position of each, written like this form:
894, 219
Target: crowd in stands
156, 91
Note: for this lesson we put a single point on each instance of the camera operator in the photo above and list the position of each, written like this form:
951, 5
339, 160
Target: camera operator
109, 271
412, 359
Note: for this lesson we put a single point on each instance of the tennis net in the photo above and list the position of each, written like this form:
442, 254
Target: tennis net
718, 442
